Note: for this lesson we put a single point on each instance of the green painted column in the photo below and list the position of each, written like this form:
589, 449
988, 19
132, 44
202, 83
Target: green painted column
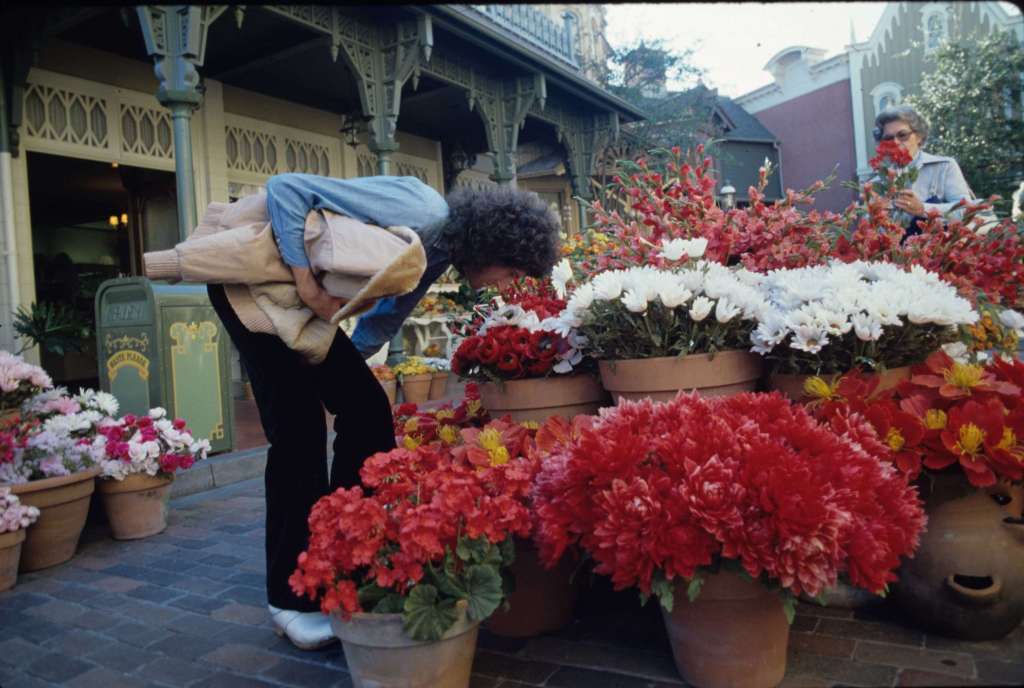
175, 37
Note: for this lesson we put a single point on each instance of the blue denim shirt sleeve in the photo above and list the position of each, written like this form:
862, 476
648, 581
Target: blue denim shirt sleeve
383, 201
380, 323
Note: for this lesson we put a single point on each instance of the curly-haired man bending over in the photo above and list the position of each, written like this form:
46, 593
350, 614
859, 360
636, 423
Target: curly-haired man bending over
492, 236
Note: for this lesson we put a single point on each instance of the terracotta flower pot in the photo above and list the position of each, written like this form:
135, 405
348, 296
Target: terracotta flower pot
438, 384
734, 634
416, 388
136, 506
724, 374
966, 579
63, 504
391, 389
542, 601
379, 653
10, 554
541, 398
792, 386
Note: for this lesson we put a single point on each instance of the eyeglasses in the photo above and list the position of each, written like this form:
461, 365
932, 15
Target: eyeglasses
900, 136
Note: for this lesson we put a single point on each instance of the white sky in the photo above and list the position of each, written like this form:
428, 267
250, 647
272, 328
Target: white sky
733, 41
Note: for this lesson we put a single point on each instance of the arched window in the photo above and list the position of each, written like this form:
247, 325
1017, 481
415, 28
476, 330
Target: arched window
936, 30
886, 94
934, 25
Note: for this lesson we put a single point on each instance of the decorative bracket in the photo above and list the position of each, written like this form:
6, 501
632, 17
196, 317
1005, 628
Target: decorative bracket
584, 139
504, 116
382, 59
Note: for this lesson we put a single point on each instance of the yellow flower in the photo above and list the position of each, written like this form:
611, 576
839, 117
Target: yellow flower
411, 425
490, 439
448, 434
935, 419
444, 413
530, 424
963, 375
970, 439
894, 438
473, 407
817, 388
410, 442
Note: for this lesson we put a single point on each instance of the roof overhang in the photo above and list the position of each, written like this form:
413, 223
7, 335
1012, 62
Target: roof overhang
499, 41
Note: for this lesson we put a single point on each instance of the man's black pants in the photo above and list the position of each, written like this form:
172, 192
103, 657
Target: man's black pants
291, 395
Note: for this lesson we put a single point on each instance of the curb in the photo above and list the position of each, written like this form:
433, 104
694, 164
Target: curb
218, 471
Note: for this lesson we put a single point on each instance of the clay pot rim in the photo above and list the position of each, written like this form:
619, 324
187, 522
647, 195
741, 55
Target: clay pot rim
57, 481
134, 482
692, 356
368, 620
422, 377
13, 536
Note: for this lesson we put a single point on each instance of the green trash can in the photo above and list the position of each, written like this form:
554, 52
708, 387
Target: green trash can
163, 345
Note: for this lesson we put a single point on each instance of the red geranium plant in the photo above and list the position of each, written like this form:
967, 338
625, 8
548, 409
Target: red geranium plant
948, 415
658, 493
429, 530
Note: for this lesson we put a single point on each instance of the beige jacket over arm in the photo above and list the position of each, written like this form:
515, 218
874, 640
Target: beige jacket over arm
234, 245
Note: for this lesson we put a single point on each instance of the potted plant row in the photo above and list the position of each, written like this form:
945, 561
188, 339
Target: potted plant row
15, 518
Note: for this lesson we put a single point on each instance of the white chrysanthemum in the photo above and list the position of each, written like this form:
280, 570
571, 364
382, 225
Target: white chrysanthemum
608, 285
866, 328
634, 301
701, 308
1011, 319
674, 294
560, 275
726, 310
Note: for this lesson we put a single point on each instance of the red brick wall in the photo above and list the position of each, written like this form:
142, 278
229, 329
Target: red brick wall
816, 133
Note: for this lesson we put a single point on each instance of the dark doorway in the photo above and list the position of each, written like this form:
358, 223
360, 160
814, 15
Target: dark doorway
91, 221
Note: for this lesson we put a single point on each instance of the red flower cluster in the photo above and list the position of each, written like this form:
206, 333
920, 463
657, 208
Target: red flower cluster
947, 414
892, 151
423, 503
14, 433
415, 427
655, 491
143, 429
510, 352
790, 233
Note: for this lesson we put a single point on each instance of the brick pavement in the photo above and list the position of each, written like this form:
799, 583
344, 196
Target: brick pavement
187, 608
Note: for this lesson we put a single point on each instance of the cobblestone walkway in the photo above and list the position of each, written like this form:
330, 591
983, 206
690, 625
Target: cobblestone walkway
187, 608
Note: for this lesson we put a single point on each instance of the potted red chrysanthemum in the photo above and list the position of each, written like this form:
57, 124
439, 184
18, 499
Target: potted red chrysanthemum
715, 505
527, 359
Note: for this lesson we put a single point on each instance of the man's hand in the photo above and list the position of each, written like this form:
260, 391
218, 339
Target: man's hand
314, 296
908, 201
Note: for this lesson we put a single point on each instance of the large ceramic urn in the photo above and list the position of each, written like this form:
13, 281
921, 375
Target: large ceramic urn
967, 578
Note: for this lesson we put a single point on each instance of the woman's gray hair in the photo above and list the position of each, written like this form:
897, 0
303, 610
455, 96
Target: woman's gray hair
901, 113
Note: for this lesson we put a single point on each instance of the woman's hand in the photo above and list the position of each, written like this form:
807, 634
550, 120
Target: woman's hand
908, 201
314, 296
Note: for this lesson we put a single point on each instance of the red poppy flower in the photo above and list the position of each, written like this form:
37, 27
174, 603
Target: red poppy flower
509, 362
489, 351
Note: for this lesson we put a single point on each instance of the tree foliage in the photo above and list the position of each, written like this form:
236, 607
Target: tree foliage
972, 101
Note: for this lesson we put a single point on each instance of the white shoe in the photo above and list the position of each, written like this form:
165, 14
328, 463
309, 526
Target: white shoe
307, 631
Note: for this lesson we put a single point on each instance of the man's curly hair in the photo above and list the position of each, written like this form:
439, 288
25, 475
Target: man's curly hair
503, 226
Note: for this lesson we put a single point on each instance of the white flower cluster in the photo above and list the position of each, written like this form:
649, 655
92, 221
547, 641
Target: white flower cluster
707, 288
145, 454
517, 316
675, 249
13, 514
808, 306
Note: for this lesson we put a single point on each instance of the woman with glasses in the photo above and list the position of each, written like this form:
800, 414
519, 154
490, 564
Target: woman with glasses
940, 184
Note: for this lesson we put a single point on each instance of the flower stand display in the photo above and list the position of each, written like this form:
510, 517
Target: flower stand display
661, 378
63, 504
967, 578
386, 377
542, 600
379, 653
136, 506
415, 377
540, 398
734, 634
15, 518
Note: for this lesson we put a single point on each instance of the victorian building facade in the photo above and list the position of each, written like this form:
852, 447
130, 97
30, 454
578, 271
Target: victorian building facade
119, 125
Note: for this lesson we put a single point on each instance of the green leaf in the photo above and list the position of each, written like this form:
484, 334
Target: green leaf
694, 588
426, 616
665, 591
789, 607
390, 604
507, 548
478, 551
483, 588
